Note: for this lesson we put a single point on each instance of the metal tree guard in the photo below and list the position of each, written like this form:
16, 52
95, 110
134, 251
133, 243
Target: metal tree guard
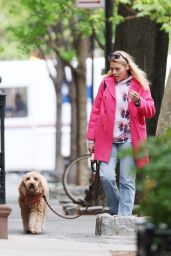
4, 209
2, 150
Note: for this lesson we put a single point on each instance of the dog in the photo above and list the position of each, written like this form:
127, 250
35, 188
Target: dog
33, 206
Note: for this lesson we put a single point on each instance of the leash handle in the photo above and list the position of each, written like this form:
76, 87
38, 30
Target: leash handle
94, 164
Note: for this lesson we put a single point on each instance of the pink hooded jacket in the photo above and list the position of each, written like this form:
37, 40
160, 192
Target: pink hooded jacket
101, 123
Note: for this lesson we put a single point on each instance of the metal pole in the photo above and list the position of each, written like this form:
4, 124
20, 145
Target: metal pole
2, 149
4, 209
92, 67
108, 31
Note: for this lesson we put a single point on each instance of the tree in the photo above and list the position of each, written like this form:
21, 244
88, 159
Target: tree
62, 31
150, 19
164, 121
144, 39
158, 11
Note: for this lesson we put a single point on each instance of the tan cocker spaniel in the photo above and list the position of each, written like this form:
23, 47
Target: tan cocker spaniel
33, 207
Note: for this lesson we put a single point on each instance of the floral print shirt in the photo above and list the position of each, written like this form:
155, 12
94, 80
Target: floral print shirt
121, 131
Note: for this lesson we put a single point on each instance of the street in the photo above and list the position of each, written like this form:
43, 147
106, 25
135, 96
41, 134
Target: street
69, 237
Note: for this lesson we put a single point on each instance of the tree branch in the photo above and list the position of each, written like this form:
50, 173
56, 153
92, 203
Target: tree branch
97, 39
52, 44
131, 17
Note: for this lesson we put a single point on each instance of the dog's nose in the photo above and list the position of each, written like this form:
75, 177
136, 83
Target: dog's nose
31, 185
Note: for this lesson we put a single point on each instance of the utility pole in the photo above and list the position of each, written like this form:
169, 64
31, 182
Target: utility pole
109, 4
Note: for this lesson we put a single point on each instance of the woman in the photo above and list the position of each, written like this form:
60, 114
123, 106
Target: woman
117, 121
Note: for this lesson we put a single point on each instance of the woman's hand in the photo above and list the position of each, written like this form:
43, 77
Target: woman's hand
91, 147
134, 96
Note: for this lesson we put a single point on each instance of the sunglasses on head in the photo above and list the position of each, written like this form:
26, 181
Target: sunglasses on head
116, 56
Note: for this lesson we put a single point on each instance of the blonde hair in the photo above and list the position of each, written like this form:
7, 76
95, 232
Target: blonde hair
135, 71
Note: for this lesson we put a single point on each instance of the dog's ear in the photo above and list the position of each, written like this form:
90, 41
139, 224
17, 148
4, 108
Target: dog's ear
22, 189
40, 187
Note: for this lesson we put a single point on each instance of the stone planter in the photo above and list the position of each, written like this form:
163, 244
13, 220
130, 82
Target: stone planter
4, 213
107, 225
153, 241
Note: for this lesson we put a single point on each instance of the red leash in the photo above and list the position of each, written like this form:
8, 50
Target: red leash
94, 169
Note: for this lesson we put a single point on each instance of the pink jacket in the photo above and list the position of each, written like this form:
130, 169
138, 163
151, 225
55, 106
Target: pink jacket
101, 123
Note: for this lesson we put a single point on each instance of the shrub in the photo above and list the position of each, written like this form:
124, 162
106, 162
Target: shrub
156, 187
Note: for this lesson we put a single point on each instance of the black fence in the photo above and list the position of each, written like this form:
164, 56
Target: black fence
152, 241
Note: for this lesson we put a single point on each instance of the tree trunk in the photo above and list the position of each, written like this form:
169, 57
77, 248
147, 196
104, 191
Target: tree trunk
164, 121
59, 165
144, 40
72, 177
81, 111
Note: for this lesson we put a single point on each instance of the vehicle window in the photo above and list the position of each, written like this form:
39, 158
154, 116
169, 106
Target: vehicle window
16, 102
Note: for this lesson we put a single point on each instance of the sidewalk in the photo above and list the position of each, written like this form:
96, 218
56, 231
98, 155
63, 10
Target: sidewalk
64, 238
33, 245
60, 237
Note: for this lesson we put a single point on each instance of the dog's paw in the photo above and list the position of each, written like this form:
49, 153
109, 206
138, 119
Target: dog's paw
35, 230
39, 228
26, 230
32, 230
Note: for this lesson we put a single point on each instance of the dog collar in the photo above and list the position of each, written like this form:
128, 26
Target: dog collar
36, 199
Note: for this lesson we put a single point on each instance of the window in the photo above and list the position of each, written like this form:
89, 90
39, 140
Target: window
16, 102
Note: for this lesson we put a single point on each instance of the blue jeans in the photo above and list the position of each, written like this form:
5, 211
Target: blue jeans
120, 201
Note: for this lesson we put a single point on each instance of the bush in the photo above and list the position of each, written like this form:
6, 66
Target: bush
156, 187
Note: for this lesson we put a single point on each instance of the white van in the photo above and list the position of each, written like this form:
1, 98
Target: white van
30, 115
30, 123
